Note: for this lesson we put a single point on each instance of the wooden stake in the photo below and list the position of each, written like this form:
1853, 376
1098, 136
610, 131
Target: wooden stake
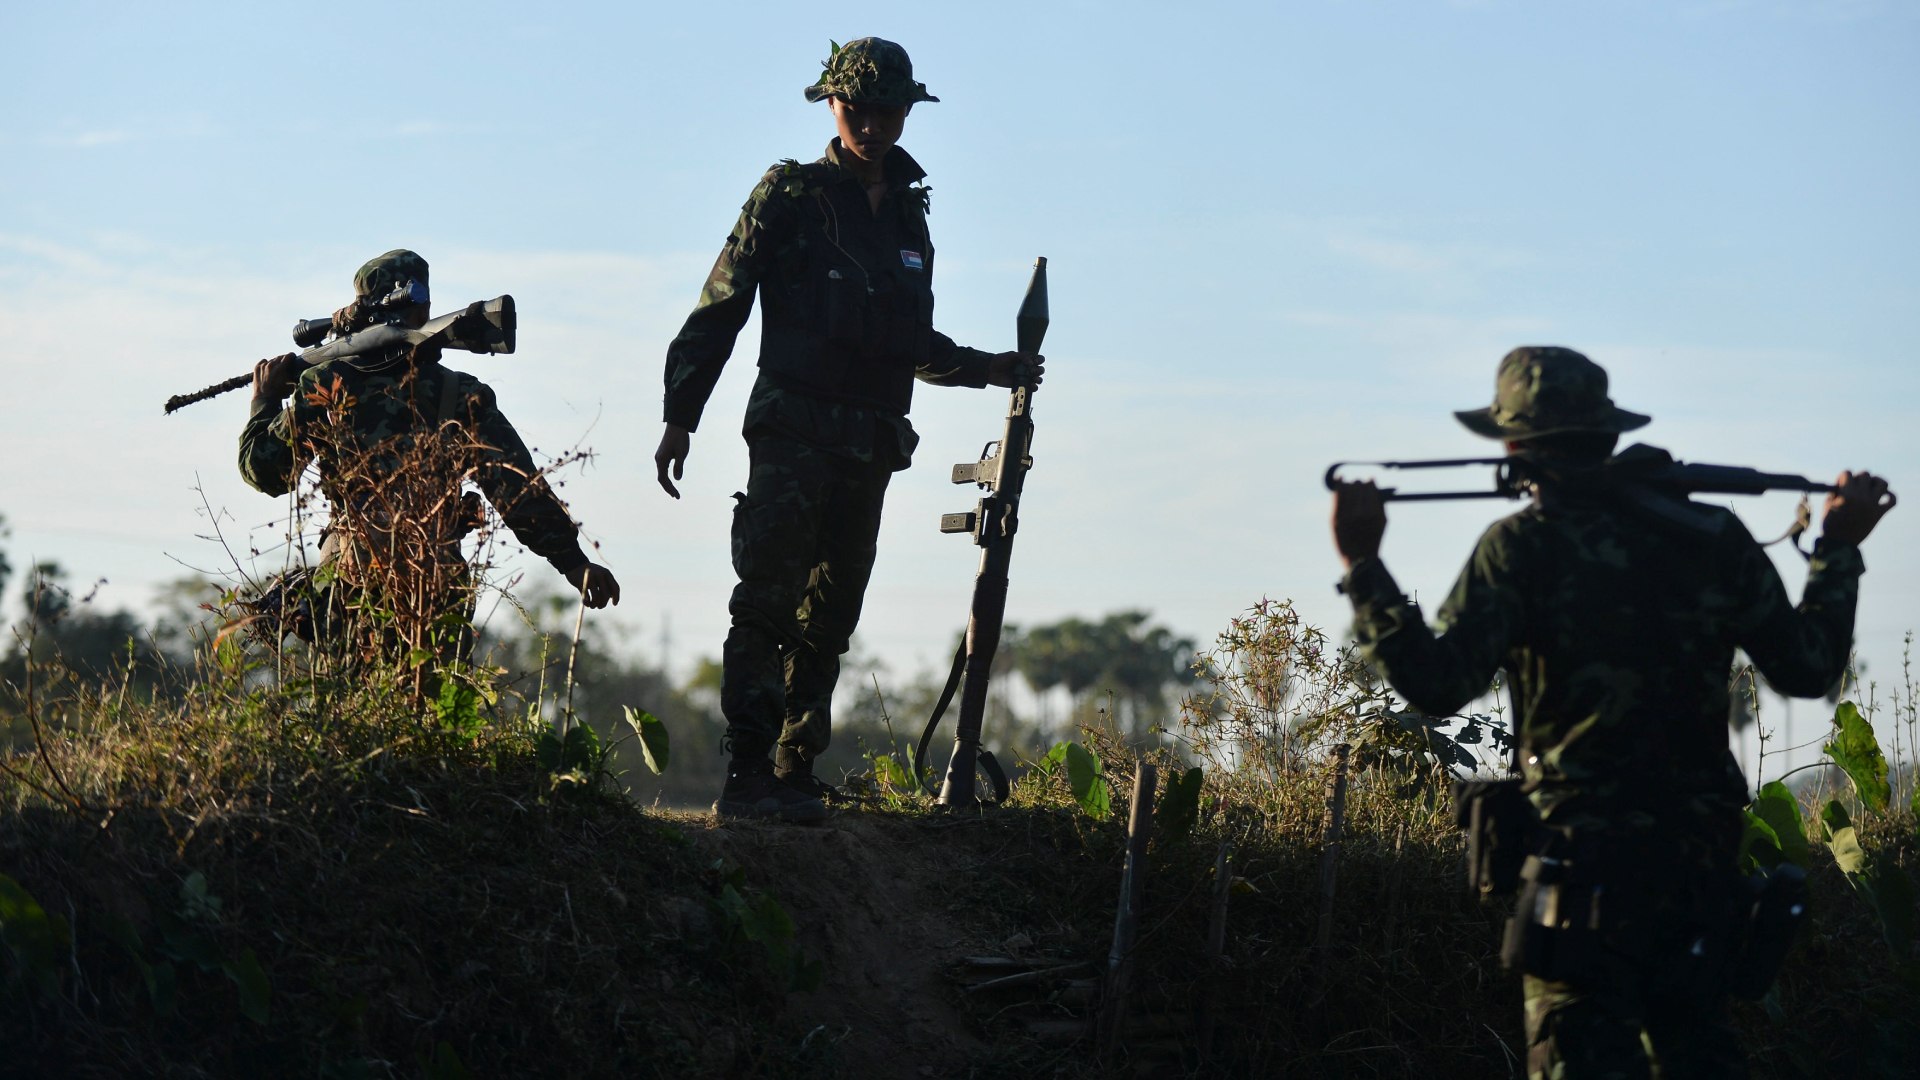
1126, 923
1330, 850
1393, 893
1216, 943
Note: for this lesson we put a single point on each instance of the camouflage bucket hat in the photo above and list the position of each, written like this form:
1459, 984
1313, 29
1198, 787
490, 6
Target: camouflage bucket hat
379, 276
1546, 390
869, 71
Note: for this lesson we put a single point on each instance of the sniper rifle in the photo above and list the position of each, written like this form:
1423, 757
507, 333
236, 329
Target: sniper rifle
481, 327
1002, 471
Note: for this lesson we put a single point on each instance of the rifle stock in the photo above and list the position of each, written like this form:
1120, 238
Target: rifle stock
992, 523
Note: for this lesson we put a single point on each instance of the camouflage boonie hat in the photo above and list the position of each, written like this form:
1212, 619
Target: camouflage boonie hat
1546, 390
869, 71
380, 275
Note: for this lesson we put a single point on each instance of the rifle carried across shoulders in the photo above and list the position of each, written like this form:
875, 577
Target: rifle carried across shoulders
1002, 471
481, 327
1645, 477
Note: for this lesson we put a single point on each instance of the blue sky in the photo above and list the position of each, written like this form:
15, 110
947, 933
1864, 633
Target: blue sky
1279, 234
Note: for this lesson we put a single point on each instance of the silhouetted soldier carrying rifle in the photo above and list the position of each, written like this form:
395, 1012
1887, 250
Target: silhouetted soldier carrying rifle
1614, 605
839, 253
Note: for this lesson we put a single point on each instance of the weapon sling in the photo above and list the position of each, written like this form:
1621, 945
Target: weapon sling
992, 523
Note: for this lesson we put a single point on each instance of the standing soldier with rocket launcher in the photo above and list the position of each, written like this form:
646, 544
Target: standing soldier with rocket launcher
839, 253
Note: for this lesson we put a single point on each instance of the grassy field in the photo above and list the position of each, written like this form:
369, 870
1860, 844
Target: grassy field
333, 876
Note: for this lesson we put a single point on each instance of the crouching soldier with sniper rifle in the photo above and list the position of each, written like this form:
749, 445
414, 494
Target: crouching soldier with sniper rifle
839, 252
1614, 605
368, 415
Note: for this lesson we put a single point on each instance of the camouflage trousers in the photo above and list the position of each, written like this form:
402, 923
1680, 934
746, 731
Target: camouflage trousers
804, 539
1650, 1002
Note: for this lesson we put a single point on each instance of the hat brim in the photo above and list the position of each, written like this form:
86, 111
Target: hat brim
1481, 422
817, 93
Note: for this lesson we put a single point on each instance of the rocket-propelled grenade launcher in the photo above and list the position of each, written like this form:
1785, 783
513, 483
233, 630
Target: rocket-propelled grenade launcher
481, 327
1002, 471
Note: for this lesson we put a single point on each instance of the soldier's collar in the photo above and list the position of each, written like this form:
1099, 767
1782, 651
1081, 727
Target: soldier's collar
898, 167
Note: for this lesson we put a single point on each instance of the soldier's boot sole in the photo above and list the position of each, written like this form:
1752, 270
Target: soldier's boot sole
794, 808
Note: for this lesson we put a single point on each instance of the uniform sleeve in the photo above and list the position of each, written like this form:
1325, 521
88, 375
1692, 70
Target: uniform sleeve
511, 482
1801, 650
267, 459
699, 352
1439, 674
953, 365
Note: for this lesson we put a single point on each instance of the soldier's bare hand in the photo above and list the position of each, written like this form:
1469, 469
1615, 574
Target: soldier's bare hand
1005, 369
1853, 511
1359, 521
274, 379
596, 584
674, 446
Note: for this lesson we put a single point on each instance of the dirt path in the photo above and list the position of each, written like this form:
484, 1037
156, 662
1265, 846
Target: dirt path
866, 895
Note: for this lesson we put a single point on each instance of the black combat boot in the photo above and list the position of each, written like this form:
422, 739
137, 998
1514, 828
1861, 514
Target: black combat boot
753, 791
797, 773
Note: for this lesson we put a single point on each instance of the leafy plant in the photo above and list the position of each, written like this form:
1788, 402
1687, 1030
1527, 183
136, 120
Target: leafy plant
34, 936
575, 758
1084, 777
1776, 806
442, 1063
1854, 748
652, 733
762, 921
1180, 803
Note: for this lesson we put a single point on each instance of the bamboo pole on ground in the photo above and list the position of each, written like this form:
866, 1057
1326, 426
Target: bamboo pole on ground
1126, 922
1335, 823
1216, 944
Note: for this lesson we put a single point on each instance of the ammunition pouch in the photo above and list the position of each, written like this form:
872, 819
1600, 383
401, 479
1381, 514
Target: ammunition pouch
1554, 932
1500, 824
1776, 909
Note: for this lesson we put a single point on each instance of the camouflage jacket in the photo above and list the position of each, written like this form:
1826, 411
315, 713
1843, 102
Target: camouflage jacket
846, 300
1616, 631
389, 399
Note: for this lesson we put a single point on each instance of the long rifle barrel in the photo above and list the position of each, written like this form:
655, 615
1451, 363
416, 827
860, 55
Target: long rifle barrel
1512, 480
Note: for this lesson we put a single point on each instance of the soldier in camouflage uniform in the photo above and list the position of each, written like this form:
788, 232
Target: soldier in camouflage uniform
390, 396
839, 252
1615, 615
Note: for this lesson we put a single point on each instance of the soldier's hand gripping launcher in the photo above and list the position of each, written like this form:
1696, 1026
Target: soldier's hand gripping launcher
481, 327
1002, 471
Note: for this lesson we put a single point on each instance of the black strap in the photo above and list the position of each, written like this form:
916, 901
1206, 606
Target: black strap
996, 776
939, 710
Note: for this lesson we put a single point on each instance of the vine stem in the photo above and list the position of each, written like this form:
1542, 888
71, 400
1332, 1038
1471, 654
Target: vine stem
573, 650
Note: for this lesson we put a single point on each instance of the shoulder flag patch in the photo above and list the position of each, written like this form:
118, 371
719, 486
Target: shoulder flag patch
912, 260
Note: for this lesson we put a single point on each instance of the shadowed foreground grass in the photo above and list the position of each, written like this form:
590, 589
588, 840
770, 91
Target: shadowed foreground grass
341, 888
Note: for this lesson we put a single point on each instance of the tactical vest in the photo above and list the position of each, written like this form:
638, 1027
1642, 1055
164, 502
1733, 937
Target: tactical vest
850, 315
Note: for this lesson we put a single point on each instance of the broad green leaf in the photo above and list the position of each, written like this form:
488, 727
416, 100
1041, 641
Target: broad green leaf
1847, 852
34, 938
1180, 804
1759, 846
444, 1064
547, 752
196, 902
581, 748
806, 975
653, 737
161, 982
1890, 891
255, 990
1776, 806
1855, 750
1833, 818
181, 940
1057, 755
458, 706
1089, 787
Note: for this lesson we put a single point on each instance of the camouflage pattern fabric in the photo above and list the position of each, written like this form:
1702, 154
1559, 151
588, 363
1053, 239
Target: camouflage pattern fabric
869, 71
1616, 630
775, 249
381, 274
804, 537
391, 399
1546, 390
